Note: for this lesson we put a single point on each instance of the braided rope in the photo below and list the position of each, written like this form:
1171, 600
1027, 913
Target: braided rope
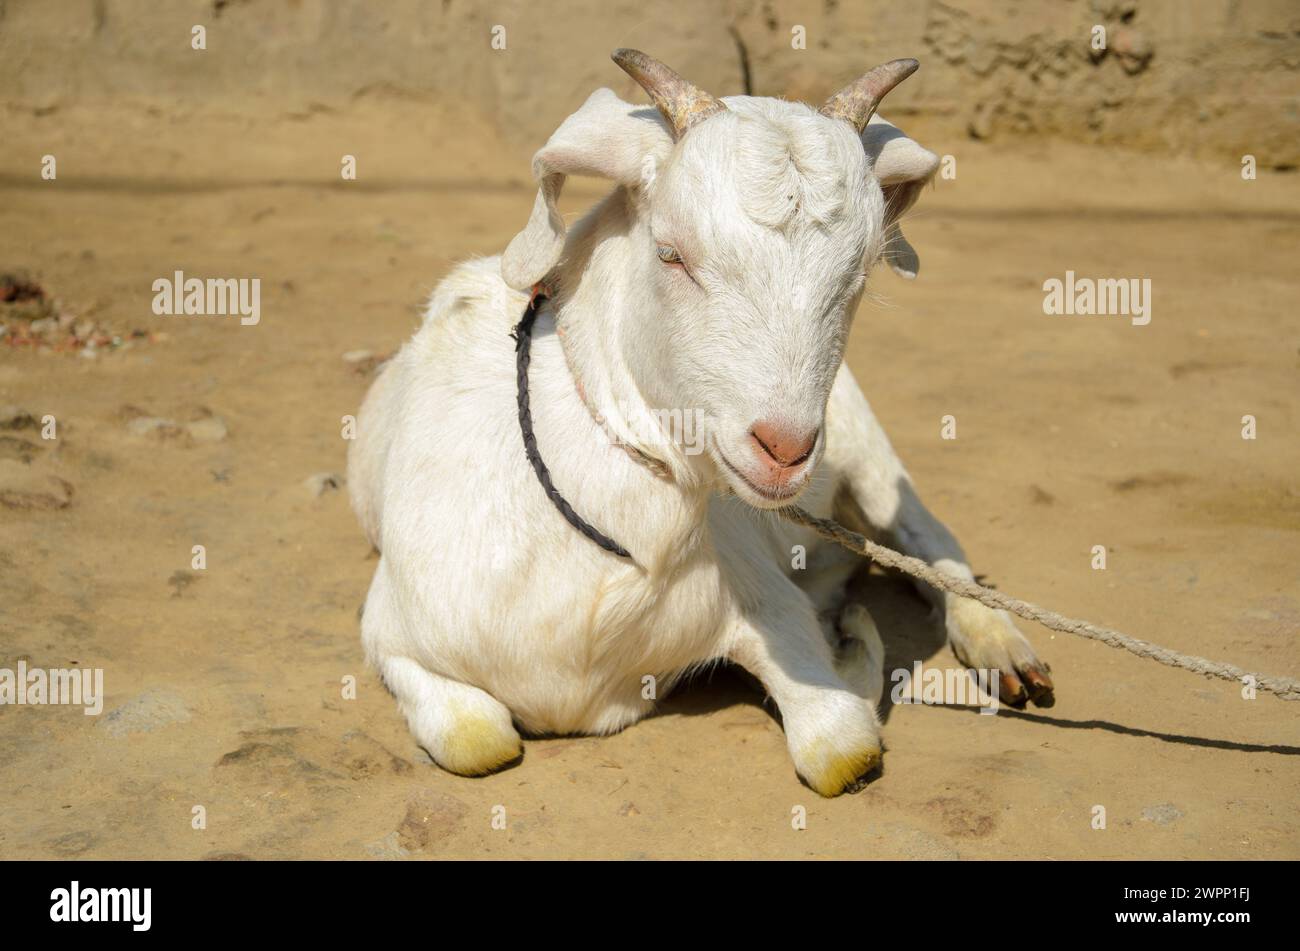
1284, 687
523, 335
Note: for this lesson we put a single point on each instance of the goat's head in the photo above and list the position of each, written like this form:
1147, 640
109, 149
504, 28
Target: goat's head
755, 224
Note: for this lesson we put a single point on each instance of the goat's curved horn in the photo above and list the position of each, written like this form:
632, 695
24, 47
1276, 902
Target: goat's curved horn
683, 105
857, 101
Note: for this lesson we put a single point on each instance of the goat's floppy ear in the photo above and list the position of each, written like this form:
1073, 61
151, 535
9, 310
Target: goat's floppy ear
607, 138
902, 167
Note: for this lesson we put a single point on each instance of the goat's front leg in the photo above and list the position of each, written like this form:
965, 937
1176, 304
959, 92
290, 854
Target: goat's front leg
833, 733
981, 637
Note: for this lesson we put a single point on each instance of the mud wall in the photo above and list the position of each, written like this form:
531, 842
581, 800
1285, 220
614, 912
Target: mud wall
1207, 77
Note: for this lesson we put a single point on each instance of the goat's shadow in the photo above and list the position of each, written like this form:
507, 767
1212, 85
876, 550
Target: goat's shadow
911, 632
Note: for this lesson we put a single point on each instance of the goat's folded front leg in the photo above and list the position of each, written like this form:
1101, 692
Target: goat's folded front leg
984, 638
832, 731
981, 637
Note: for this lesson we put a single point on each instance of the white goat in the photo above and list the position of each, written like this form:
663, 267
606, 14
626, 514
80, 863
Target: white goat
719, 276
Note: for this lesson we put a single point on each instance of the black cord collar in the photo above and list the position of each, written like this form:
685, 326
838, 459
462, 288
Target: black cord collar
523, 334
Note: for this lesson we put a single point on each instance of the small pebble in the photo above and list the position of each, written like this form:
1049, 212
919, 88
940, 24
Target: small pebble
153, 426
208, 429
322, 482
1162, 814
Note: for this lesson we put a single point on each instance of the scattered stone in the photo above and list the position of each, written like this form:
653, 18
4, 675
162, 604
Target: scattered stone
323, 482
18, 287
32, 319
984, 59
154, 427
363, 362
388, 848
151, 710
24, 490
1132, 49
202, 426
913, 843
629, 809
982, 121
260, 753
15, 417
288, 761
1162, 814
208, 429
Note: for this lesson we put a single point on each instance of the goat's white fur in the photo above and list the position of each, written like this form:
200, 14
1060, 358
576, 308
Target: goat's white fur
487, 611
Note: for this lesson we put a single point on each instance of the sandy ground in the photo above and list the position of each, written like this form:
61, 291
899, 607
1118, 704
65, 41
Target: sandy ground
224, 685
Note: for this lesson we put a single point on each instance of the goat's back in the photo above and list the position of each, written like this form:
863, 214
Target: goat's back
471, 300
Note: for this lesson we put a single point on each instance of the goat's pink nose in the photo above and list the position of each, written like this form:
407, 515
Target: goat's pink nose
778, 444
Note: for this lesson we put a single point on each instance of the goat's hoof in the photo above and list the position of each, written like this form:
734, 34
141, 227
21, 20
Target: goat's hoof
1029, 682
829, 770
475, 746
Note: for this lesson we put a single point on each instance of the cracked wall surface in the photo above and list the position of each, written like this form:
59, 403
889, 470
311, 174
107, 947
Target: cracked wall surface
1209, 77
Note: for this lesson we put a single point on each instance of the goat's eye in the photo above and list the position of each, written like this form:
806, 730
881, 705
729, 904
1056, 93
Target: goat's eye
668, 254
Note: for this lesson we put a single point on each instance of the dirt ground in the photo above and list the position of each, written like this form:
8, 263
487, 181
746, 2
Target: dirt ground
223, 685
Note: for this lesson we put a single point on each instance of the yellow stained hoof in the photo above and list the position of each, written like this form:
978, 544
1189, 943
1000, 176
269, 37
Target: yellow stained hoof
476, 745
830, 772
